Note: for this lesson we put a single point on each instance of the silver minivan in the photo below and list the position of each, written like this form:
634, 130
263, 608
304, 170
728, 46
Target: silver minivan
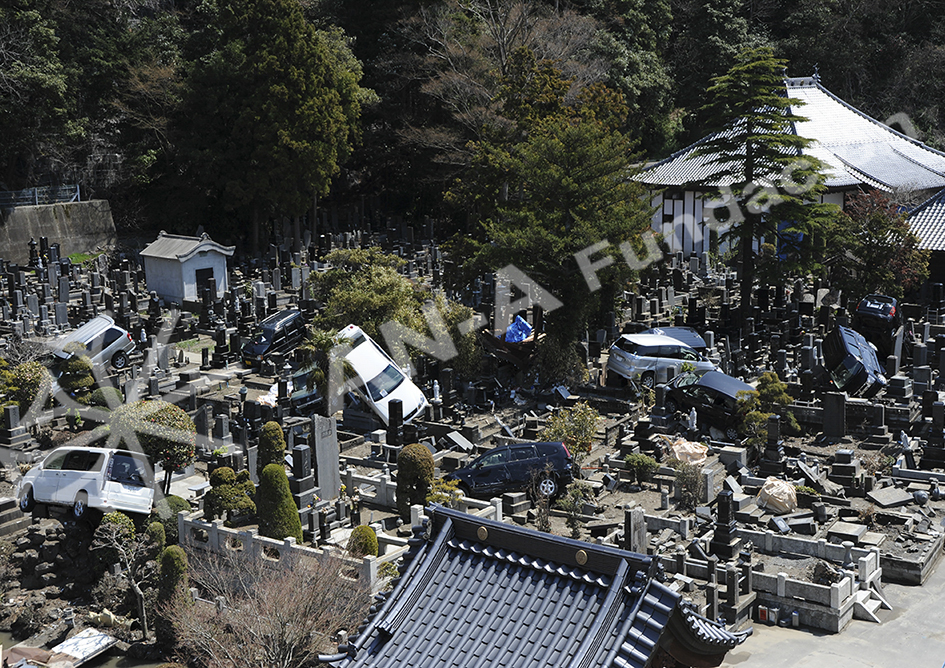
81, 478
645, 357
106, 342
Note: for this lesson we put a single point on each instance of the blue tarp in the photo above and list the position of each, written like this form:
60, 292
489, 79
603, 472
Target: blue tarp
518, 331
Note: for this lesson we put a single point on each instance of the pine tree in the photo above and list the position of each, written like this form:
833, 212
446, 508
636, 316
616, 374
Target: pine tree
759, 154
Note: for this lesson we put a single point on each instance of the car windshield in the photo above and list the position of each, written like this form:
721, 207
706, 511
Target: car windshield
129, 471
262, 336
844, 372
384, 383
687, 379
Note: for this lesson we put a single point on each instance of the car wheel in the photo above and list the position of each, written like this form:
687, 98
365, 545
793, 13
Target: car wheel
648, 380
120, 360
548, 487
81, 506
27, 502
670, 405
731, 434
464, 490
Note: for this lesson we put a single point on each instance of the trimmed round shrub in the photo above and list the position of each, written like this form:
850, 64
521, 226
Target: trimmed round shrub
415, 467
76, 374
28, 380
105, 556
165, 511
126, 523
278, 516
156, 538
223, 475
641, 466
106, 397
363, 541
271, 446
166, 434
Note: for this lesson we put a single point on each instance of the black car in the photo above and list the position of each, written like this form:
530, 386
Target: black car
852, 364
714, 396
878, 318
513, 468
280, 332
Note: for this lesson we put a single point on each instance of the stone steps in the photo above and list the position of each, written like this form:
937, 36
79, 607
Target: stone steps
12, 519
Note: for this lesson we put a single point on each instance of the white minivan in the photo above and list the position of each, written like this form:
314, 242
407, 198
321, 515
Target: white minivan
81, 478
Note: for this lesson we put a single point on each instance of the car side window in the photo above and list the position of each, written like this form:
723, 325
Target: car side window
111, 336
495, 458
688, 355
81, 460
54, 463
521, 454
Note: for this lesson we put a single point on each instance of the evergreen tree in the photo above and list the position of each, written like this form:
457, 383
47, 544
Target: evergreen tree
415, 468
561, 189
759, 154
271, 446
162, 431
278, 516
270, 108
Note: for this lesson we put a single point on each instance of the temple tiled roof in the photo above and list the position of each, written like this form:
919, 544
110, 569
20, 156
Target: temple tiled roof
855, 148
482, 593
927, 221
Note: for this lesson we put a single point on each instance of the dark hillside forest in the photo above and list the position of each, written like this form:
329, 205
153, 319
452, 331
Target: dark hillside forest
232, 114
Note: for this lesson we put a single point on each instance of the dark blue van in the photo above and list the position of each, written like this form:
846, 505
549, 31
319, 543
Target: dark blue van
852, 364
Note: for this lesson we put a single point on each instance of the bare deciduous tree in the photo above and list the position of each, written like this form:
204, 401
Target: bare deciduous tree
269, 614
467, 46
134, 554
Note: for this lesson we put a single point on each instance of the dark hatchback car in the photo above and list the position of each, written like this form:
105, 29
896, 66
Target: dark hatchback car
714, 395
513, 468
280, 332
852, 364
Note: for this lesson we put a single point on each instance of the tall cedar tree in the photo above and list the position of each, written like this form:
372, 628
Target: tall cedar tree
757, 152
270, 109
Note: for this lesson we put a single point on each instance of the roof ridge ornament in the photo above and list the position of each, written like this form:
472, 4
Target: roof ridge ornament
816, 76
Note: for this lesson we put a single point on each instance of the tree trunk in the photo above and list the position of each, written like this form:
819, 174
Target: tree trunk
255, 232
142, 610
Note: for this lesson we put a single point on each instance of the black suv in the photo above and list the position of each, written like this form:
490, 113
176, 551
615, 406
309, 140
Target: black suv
280, 332
512, 468
877, 317
714, 396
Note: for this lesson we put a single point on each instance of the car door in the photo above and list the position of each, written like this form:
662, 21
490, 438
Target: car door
669, 358
522, 462
46, 483
78, 473
490, 474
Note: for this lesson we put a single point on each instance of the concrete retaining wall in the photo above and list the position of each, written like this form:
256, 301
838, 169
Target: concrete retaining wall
78, 227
